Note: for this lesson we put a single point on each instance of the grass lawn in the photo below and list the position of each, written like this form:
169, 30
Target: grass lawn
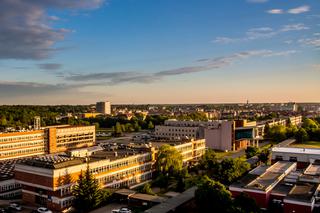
221, 154
307, 144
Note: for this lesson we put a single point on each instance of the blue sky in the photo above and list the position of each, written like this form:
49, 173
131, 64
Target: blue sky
152, 51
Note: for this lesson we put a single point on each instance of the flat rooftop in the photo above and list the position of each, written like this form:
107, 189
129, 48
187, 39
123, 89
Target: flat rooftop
62, 160
303, 192
270, 176
7, 168
282, 188
296, 150
173, 203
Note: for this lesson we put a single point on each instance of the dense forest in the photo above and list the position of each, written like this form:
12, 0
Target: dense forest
20, 116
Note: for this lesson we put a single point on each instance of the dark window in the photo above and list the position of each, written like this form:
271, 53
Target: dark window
293, 159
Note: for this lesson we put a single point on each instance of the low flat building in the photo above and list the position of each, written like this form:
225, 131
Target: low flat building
259, 183
303, 156
291, 184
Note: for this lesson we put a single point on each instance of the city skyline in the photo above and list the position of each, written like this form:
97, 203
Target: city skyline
140, 51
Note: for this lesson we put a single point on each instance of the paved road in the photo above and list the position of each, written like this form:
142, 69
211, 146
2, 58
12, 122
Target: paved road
286, 143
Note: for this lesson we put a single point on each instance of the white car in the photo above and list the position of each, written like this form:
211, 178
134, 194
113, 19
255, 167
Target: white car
43, 210
122, 210
15, 206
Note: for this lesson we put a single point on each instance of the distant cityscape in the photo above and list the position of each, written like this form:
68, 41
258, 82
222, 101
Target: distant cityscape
121, 147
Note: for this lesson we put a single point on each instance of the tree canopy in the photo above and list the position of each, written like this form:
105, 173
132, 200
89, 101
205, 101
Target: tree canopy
212, 195
169, 160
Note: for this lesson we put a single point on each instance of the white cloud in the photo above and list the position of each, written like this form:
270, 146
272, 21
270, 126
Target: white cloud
261, 33
315, 42
298, 10
224, 40
294, 27
275, 11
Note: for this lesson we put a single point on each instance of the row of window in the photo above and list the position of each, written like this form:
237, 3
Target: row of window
121, 175
22, 144
132, 181
73, 144
292, 159
182, 130
19, 138
175, 134
9, 187
21, 152
124, 163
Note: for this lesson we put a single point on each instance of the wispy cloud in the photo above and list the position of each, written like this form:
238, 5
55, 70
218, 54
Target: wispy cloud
294, 27
50, 66
261, 33
204, 65
298, 10
25, 26
315, 42
39, 93
275, 11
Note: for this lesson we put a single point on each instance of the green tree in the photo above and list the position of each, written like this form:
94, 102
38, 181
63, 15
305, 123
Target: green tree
117, 130
169, 160
146, 189
212, 196
230, 169
251, 151
264, 156
67, 179
277, 133
301, 135
309, 124
3, 122
87, 192
245, 204
150, 125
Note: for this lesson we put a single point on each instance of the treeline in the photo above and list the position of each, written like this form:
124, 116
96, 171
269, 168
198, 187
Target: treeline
309, 130
20, 116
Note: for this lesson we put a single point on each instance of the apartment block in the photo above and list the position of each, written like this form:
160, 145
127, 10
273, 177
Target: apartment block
47, 140
22, 144
218, 134
103, 107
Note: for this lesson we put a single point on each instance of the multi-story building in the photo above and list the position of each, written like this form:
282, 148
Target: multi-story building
48, 140
43, 178
191, 150
22, 144
218, 134
103, 107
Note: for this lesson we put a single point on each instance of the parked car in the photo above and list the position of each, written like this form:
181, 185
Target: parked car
43, 210
15, 206
122, 210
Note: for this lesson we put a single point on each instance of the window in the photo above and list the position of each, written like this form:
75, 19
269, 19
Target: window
279, 158
293, 159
